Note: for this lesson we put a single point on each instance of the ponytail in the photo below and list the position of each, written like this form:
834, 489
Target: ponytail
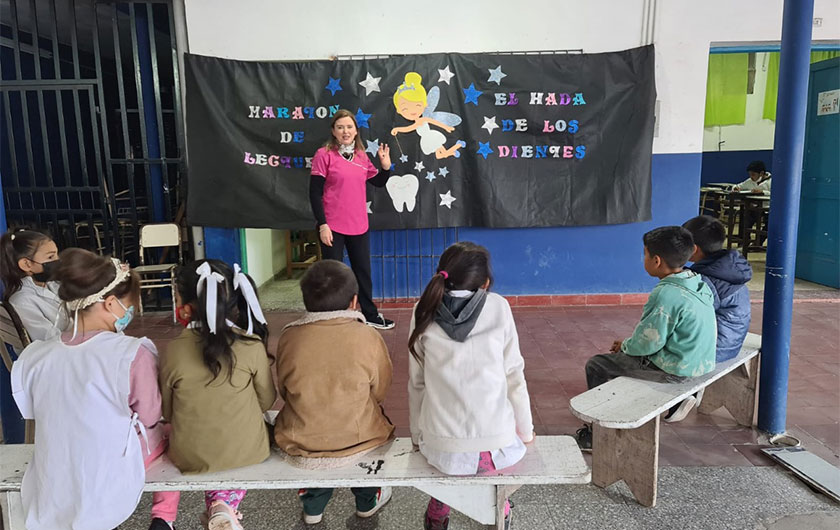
215, 306
462, 266
426, 309
15, 246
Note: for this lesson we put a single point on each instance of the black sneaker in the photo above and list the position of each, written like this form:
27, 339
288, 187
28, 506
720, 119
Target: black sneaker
583, 436
159, 524
380, 322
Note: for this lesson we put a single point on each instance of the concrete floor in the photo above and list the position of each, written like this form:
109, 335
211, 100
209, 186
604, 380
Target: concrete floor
701, 498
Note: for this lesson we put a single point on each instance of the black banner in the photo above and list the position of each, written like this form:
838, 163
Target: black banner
500, 140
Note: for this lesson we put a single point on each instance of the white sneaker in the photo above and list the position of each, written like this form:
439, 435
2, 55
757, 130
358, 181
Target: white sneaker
382, 499
312, 519
682, 411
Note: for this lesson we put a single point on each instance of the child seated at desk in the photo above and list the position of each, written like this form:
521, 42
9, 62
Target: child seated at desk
758, 180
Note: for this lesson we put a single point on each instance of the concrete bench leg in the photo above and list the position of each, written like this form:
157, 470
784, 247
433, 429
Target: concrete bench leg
631, 455
12, 508
736, 392
485, 504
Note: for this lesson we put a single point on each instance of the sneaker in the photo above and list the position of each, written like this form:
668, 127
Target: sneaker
312, 519
160, 524
222, 517
699, 397
382, 499
428, 524
380, 322
583, 437
681, 411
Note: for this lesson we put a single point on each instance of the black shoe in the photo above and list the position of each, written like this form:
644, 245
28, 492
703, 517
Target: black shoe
159, 524
583, 436
380, 322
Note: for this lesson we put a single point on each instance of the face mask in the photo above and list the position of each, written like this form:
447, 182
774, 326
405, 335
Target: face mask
48, 272
181, 316
122, 322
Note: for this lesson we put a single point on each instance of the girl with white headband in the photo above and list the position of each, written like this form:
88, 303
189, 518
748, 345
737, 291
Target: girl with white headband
216, 382
94, 396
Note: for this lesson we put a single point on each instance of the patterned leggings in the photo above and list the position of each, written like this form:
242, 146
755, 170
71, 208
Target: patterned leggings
231, 497
439, 512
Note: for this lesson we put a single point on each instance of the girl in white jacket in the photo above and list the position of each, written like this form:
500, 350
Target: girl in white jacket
28, 259
469, 407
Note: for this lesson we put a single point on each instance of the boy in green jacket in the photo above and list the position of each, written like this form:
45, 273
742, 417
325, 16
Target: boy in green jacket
676, 337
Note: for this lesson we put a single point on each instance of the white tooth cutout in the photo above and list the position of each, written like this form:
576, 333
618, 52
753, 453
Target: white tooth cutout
403, 191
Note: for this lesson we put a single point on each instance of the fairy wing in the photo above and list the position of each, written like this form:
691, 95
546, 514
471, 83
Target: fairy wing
432, 100
446, 118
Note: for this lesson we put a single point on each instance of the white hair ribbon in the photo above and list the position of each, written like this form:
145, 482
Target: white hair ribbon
212, 280
241, 282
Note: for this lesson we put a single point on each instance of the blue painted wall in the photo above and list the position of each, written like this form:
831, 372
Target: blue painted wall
565, 260
223, 244
592, 259
731, 166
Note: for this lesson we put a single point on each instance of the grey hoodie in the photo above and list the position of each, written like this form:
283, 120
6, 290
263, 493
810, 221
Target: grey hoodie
457, 315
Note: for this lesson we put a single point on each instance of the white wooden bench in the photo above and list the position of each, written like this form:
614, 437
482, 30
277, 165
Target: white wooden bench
550, 460
624, 414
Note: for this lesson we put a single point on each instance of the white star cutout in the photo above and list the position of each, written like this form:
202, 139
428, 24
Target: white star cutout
404, 158
490, 124
419, 166
446, 75
443, 172
430, 176
372, 146
371, 84
496, 75
368, 207
446, 199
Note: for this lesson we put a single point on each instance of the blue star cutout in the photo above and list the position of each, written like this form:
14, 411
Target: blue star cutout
404, 158
484, 149
471, 95
430, 176
443, 172
393, 165
362, 119
334, 85
373, 147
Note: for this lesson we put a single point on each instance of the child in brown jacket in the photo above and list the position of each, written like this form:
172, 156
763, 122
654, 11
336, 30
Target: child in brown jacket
333, 372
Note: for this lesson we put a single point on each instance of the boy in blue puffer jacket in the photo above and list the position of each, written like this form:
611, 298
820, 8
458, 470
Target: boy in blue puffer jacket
726, 272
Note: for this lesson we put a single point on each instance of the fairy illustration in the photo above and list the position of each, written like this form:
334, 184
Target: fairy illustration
415, 105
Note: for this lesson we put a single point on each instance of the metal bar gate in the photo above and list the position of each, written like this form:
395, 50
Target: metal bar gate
90, 115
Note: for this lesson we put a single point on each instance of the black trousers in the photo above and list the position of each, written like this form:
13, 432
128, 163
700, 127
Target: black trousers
358, 250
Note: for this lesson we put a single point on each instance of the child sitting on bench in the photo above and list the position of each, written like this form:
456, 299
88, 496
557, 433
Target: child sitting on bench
469, 407
726, 272
675, 338
333, 372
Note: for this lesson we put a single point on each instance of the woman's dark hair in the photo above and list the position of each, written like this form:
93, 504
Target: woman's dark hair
217, 348
13, 247
467, 267
332, 144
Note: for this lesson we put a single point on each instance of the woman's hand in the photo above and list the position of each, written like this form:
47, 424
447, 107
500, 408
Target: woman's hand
384, 153
326, 235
